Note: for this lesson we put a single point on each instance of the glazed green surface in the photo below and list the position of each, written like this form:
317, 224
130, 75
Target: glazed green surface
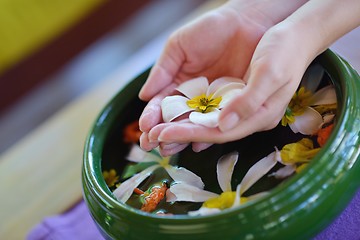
297, 209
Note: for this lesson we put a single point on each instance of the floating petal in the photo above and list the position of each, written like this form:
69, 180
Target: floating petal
180, 174
137, 154
308, 123
258, 170
237, 200
125, 190
185, 192
203, 211
284, 172
325, 96
173, 107
224, 169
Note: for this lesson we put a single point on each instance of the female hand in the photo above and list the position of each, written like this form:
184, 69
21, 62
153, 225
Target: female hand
221, 43
275, 70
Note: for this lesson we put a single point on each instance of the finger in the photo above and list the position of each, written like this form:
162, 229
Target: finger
151, 114
156, 130
189, 132
263, 83
198, 147
164, 71
146, 144
267, 117
172, 148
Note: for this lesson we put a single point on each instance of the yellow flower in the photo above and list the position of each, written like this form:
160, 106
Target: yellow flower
299, 152
110, 177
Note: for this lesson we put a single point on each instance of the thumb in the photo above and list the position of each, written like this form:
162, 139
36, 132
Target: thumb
165, 69
260, 87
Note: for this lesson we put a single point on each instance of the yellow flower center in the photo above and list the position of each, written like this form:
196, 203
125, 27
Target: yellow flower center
204, 103
225, 200
297, 105
164, 162
299, 152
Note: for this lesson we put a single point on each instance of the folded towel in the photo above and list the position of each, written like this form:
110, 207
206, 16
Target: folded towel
75, 224
78, 224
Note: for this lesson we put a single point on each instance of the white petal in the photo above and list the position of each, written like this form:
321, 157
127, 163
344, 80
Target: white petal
258, 170
283, 172
293, 127
137, 154
224, 169
221, 82
173, 107
312, 77
328, 118
216, 84
308, 123
185, 192
194, 87
210, 119
125, 190
237, 200
257, 195
228, 87
180, 174
228, 96
326, 95
203, 211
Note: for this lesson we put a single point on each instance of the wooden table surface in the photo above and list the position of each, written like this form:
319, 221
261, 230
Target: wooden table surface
41, 174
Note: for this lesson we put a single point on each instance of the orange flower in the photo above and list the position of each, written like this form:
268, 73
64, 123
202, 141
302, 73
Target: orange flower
157, 194
323, 134
132, 132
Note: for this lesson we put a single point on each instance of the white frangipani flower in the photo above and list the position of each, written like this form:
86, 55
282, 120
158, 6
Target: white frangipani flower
180, 174
301, 113
227, 199
202, 100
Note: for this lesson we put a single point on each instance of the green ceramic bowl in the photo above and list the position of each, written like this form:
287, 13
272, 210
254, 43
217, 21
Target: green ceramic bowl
296, 209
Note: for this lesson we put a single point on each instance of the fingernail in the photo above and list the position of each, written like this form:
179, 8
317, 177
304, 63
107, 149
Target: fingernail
229, 122
170, 146
198, 147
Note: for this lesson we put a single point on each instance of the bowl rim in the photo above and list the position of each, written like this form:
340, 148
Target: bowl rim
344, 89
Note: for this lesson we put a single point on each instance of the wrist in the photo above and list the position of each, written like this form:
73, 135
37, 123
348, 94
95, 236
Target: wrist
265, 12
321, 22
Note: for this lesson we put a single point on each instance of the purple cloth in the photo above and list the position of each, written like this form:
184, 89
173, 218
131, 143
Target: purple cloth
77, 224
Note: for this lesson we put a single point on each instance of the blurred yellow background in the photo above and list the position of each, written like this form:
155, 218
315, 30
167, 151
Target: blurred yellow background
26, 25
